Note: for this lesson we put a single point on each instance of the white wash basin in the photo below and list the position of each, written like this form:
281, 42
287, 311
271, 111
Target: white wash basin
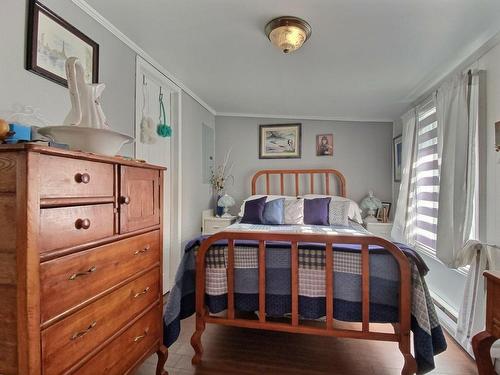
98, 141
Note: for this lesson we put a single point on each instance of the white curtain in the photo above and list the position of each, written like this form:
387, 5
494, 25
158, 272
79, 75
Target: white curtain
458, 172
457, 109
403, 229
471, 317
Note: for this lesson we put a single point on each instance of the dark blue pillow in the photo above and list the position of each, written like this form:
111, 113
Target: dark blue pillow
274, 212
254, 211
316, 211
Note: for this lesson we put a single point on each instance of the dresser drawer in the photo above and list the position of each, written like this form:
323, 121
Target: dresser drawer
124, 352
68, 281
72, 178
70, 339
70, 226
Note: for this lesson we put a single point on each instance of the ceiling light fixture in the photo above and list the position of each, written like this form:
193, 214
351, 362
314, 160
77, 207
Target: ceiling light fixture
288, 33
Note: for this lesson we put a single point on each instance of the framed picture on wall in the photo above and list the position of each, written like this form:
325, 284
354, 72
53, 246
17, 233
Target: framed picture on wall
51, 40
397, 150
324, 145
281, 141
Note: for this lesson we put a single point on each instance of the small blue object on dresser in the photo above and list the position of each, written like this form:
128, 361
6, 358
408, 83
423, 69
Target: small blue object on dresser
21, 133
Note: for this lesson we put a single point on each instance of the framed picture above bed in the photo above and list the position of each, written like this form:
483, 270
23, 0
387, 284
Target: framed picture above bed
51, 40
324, 145
282, 141
397, 150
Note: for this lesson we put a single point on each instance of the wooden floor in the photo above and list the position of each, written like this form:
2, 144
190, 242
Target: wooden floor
241, 351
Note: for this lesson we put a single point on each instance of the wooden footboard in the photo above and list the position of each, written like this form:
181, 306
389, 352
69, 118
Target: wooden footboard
402, 326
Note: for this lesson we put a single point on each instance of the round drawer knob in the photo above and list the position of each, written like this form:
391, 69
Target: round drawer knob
82, 178
82, 224
124, 200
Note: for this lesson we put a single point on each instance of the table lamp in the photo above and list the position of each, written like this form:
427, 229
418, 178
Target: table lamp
225, 202
370, 204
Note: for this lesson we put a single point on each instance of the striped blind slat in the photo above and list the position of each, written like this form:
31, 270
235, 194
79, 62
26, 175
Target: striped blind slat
432, 134
427, 226
427, 121
432, 150
430, 243
426, 177
432, 165
428, 181
432, 212
428, 196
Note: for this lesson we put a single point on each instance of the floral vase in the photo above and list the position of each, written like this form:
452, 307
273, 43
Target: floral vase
218, 210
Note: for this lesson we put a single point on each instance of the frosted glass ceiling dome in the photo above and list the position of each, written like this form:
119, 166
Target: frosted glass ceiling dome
288, 33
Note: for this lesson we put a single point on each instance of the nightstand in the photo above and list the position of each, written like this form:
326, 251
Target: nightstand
380, 229
213, 224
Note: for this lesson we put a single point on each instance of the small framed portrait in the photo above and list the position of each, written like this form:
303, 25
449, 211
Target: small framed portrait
324, 145
384, 212
281, 141
397, 150
51, 40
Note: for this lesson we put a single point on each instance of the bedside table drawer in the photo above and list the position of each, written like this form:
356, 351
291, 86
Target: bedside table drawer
214, 225
380, 229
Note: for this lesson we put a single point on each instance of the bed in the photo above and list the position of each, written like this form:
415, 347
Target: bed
290, 275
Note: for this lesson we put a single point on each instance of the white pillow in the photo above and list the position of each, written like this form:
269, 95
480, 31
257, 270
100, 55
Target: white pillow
354, 212
338, 213
269, 198
294, 211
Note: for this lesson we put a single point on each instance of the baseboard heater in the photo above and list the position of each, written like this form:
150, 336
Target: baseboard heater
448, 313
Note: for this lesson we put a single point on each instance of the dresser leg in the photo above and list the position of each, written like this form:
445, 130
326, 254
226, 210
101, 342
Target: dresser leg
162, 358
481, 344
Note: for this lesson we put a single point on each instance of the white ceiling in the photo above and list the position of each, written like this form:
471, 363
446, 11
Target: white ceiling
366, 59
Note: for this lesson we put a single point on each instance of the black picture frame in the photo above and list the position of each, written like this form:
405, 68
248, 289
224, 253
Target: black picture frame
296, 154
397, 150
35, 8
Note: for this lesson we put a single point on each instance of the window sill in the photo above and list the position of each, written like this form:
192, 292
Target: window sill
464, 271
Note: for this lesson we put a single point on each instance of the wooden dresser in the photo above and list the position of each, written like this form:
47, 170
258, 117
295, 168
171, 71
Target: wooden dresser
482, 342
80, 262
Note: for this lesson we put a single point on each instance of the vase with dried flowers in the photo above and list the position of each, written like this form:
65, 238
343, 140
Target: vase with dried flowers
219, 178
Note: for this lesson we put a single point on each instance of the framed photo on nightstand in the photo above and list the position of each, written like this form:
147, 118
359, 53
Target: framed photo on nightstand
380, 212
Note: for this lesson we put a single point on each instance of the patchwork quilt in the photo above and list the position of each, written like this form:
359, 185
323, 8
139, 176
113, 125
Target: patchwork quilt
384, 285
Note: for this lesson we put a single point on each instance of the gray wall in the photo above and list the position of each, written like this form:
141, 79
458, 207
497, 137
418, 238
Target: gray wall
196, 196
117, 70
362, 152
19, 86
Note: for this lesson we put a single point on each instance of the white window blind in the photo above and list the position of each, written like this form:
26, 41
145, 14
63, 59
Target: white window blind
426, 177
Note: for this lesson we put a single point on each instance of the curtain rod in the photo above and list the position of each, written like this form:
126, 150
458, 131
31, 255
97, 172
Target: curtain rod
491, 245
470, 72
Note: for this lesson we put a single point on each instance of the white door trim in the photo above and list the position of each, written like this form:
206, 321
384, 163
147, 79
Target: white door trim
175, 157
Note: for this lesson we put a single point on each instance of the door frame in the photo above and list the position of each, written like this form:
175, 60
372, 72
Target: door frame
175, 173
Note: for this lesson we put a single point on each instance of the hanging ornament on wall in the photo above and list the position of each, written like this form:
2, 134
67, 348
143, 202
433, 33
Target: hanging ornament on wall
148, 127
163, 129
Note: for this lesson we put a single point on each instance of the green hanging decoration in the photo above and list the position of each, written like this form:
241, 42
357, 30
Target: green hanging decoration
163, 129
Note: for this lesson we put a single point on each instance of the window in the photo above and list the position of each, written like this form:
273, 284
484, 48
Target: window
426, 177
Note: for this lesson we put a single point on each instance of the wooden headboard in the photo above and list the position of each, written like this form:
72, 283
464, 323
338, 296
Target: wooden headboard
325, 176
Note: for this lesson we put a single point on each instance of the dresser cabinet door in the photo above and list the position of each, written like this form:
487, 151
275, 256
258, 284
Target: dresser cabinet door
139, 198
